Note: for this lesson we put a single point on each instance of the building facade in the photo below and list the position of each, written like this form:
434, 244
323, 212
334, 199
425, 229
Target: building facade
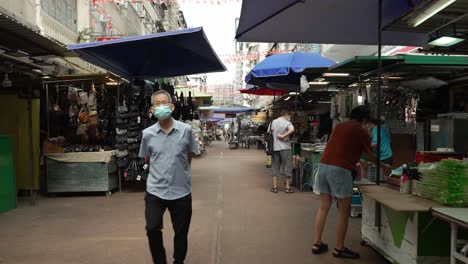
75, 21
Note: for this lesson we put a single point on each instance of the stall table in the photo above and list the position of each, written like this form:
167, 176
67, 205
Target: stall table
408, 233
458, 219
81, 172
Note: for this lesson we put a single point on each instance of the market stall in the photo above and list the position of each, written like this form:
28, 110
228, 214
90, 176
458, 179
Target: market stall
397, 218
117, 120
81, 172
234, 130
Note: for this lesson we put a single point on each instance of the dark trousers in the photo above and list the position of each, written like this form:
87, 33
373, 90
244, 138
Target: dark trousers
181, 214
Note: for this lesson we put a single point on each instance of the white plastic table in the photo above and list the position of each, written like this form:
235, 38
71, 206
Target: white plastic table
458, 218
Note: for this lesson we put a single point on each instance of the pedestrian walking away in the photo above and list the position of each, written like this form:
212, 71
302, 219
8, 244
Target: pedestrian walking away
282, 129
347, 142
168, 145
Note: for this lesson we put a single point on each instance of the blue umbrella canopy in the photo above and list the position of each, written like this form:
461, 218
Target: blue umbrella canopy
287, 68
233, 109
166, 54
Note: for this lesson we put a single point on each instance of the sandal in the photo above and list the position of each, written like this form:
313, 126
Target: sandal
345, 253
319, 248
289, 190
274, 190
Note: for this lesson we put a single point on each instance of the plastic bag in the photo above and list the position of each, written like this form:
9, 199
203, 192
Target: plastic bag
315, 187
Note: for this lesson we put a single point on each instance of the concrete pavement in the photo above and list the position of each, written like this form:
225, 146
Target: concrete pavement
236, 219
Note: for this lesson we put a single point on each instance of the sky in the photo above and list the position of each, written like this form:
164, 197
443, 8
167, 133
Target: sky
218, 22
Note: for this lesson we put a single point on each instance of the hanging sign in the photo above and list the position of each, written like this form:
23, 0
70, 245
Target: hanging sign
106, 38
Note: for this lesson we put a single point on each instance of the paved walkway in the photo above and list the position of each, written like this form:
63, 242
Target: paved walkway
235, 220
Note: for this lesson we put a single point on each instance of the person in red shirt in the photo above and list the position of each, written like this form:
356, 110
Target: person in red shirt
347, 142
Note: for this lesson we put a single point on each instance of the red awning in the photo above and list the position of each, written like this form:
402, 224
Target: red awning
263, 91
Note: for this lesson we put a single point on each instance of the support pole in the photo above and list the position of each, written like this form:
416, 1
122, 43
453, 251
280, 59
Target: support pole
274, 102
31, 146
378, 206
47, 108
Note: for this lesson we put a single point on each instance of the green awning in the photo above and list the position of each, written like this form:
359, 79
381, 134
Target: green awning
362, 64
444, 67
195, 93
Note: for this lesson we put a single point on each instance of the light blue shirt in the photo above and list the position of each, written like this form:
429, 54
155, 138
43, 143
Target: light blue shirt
169, 174
385, 142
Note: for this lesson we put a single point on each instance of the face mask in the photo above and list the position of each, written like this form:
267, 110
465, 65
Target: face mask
163, 112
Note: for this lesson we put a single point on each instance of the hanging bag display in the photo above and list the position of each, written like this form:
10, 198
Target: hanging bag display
83, 98
121, 153
92, 99
269, 140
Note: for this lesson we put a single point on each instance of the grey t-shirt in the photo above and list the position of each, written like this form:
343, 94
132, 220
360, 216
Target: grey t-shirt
280, 126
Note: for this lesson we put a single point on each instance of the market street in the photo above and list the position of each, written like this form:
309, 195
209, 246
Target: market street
236, 219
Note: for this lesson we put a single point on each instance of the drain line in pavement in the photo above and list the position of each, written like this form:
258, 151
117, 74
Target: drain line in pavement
216, 245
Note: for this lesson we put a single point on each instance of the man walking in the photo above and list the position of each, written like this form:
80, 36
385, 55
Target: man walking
169, 145
347, 142
282, 129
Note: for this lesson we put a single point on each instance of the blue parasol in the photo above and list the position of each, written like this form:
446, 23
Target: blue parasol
283, 69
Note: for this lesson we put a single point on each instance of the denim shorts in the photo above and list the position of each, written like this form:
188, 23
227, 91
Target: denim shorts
336, 181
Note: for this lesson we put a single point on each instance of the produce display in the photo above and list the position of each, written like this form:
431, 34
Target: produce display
445, 182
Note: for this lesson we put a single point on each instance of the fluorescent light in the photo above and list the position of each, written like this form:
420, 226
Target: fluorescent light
430, 12
332, 74
287, 98
310, 101
324, 102
359, 99
319, 83
293, 93
112, 83
37, 70
446, 41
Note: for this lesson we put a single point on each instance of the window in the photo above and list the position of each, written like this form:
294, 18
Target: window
64, 11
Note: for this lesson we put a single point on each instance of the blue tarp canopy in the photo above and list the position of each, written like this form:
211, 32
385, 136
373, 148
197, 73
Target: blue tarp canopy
287, 68
233, 109
323, 21
166, 54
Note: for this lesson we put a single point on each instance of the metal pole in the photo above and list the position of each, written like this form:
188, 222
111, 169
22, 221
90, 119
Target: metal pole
31, 147
379, 88
295, 101
378, 208
47, 108
274, 102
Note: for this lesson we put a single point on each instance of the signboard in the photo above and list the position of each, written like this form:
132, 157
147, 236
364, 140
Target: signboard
231, 115
106, 38
435, 128
259, 118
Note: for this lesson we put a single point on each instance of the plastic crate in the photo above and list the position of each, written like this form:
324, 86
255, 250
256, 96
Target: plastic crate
424, 157
356, 199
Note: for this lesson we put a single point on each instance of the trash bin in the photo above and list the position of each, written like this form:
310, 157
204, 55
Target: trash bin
7, 177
